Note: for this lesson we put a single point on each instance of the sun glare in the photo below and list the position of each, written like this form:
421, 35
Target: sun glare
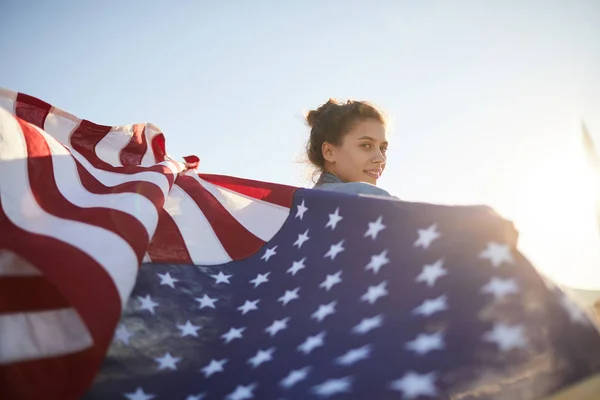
553, 205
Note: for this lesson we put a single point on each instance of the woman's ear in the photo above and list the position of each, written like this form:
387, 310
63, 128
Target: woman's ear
328, 151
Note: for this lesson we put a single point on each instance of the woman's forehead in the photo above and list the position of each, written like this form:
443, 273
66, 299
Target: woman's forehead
368, 130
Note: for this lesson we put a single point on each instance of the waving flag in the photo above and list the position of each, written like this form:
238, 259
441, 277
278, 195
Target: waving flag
126, 274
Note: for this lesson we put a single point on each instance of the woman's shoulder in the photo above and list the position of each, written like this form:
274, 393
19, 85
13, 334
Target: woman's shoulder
354, 188
328, 181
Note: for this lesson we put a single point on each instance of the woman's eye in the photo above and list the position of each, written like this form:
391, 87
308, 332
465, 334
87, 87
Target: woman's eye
384, 150
366, 146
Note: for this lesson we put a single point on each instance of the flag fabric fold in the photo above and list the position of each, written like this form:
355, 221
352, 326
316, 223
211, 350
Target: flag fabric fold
127, 274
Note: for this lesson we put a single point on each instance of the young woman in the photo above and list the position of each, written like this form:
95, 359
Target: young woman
348, 146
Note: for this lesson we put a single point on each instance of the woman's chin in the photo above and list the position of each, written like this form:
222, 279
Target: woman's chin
369, 179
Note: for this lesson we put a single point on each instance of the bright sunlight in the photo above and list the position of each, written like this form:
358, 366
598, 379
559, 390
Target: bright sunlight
552, 204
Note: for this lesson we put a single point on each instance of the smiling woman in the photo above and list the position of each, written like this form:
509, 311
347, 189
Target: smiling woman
348, 146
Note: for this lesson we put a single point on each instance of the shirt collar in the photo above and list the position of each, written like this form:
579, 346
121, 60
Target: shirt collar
327, 177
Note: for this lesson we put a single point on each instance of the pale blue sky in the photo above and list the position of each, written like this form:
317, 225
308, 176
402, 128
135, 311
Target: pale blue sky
485, 97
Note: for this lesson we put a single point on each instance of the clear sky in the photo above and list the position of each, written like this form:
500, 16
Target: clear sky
486, 97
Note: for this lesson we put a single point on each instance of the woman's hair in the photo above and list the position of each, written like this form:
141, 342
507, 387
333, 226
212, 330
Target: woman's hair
331, 121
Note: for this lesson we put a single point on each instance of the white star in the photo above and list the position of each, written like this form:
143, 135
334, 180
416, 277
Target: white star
497, 253
196, 397
324, 310
425, 343
206, 301
260, 278
303, 237
312, 342
166, 279
233, 333
378, 261
242, 392
294, 377
297, 266
213, 367
277, 325
189, 329
331, 280
354, 355
261, 356
334, 219
500, 287
248, 306
123, 334
432, 272
167, 362
221, 278
147, 303
301, 210
375, 292
506, 337
139, 395
269, 253
414, 385
576, 313
431, 306
333, 386
375, 228
367, 324
289, 296
334, 250
426, 236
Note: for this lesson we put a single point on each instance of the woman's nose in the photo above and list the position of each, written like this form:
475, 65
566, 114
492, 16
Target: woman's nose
379, 157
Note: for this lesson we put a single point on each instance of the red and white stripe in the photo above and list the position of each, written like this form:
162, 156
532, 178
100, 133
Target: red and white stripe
217, 224
35, 334
81, 206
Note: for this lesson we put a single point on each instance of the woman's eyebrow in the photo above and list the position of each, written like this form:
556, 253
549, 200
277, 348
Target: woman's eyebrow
370, 139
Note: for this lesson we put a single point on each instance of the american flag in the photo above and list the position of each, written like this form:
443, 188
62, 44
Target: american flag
126, 274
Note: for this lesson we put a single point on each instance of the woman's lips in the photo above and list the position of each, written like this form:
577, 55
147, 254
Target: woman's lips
374, 173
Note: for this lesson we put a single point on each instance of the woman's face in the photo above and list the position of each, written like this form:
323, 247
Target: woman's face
361, 156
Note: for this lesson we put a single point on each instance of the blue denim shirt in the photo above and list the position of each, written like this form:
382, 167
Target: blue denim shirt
331, 182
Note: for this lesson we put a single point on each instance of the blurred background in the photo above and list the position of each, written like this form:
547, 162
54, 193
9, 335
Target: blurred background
486, 98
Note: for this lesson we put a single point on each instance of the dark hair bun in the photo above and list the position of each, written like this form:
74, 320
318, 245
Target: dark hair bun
315, 116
